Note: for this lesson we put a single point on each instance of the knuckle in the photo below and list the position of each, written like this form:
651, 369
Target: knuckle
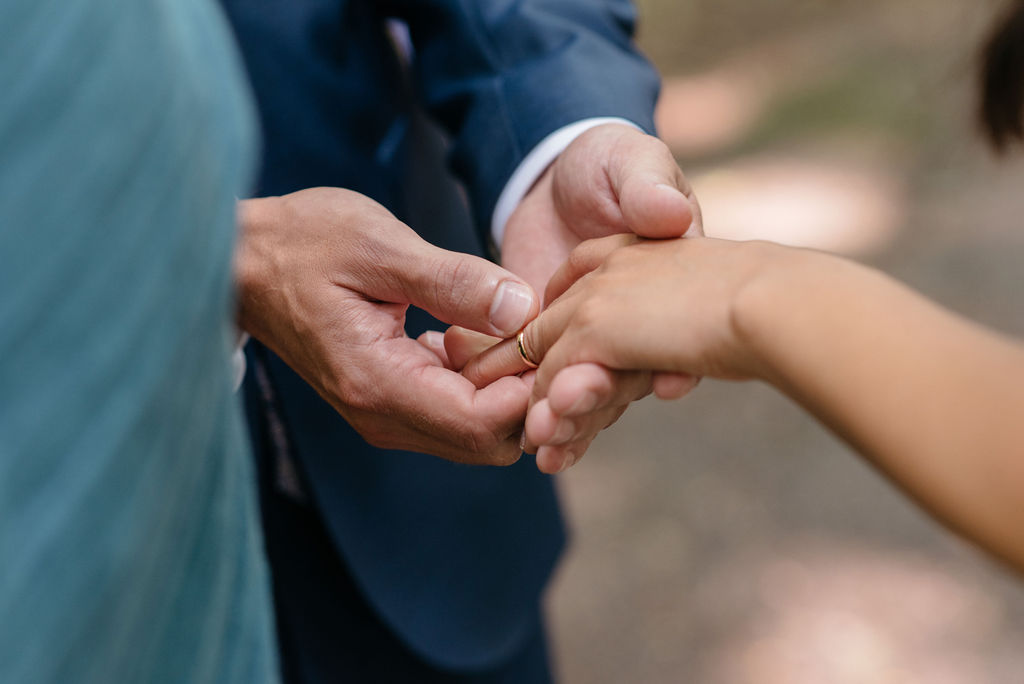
591, 313
482, 442
580, 258
507, 454
363, 401
376, 435
533, 339
619, 259
360, 394
486, 446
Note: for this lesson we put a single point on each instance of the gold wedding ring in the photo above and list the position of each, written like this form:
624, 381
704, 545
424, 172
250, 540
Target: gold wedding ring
521, 346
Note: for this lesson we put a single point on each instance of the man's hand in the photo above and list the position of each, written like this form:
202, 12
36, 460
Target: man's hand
612, 179
325, 277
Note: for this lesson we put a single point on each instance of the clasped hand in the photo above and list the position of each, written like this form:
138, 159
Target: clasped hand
325, 277
674, 308
611, 180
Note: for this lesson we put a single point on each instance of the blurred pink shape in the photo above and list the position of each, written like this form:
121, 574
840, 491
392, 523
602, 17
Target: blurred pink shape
847, 615
699, 115
803, 203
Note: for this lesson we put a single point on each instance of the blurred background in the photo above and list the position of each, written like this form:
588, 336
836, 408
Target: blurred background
728, 538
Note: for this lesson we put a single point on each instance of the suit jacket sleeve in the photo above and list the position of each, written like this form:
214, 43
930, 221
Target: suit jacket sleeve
500, 75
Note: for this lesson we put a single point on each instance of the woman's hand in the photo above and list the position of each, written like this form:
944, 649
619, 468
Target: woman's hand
668, 307
653, 305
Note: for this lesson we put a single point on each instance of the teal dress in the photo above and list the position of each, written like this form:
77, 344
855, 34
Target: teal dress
129, 542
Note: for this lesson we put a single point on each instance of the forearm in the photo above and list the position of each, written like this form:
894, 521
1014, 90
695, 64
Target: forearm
933, 400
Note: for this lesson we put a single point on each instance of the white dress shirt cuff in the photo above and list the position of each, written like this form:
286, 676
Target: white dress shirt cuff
534, 164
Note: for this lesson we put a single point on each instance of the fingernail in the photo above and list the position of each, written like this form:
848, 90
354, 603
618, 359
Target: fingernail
587, 402
671, 188
567, 461
512, 304
522, 441
563, 432
434, 339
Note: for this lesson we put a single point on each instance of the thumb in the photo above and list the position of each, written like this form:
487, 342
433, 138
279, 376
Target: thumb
654, 196
464, 290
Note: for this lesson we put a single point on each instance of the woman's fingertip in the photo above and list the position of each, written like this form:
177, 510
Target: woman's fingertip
585, 403
544, 464
568, 460
540, 424
564, 431
553, 460
670, 386
434, 341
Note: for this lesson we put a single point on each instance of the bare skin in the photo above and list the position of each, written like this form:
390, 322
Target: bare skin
325, 277
932, 399
613, 179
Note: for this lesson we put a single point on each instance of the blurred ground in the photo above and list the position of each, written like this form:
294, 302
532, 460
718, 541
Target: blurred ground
727, 538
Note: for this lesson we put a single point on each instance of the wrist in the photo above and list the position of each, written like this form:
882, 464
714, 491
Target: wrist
771, 291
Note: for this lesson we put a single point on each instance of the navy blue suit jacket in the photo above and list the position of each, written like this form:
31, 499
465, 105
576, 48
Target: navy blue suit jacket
453, 558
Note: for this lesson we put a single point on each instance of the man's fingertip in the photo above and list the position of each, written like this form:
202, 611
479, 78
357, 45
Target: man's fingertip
670, 188
548, 461
667, 213
513, 306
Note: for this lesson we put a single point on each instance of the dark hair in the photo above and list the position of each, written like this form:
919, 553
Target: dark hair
1002, 80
